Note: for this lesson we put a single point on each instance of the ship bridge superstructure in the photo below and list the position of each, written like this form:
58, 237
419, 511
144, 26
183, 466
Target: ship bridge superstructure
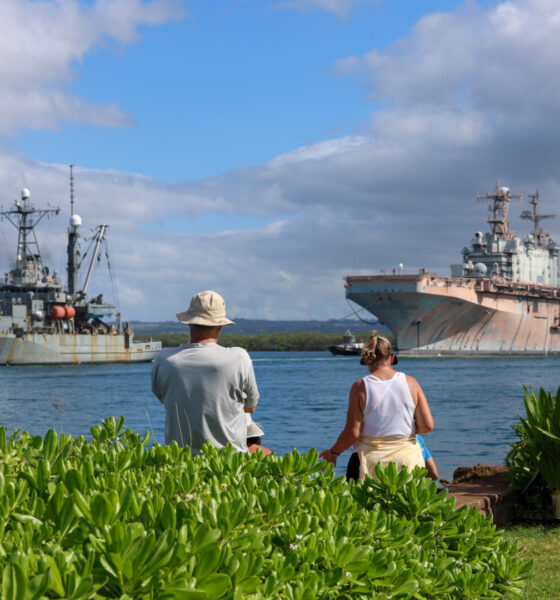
501, 254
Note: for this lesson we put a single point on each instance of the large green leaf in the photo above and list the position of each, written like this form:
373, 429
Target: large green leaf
14, 582
215, 585
101, 509
50, 444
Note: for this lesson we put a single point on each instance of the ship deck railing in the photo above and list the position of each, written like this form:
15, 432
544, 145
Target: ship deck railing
516, 288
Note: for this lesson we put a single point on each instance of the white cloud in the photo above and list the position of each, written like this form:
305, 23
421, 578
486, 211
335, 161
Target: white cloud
38, 109
338, 7
503, 59
42, 41
132, 296
321, 150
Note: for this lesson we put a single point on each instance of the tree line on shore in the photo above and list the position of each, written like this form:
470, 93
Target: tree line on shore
269, 341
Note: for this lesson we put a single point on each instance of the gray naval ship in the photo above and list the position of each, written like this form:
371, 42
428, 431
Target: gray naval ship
504, 298
41, 322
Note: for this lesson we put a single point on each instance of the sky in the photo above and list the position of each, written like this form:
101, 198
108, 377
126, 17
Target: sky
266, 149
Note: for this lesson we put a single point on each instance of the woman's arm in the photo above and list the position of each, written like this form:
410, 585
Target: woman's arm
423, 415
433, 472
354, 417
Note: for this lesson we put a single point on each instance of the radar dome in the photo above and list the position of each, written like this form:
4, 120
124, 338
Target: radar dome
480, 270
25, 193
504, 190
75, 221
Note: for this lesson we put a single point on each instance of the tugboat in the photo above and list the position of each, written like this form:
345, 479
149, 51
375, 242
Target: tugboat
348, 347
43, 323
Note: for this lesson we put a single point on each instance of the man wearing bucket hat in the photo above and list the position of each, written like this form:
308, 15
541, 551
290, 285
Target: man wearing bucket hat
206, 389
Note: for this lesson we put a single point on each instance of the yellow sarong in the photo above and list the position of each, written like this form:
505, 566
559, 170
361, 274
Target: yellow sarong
400, 450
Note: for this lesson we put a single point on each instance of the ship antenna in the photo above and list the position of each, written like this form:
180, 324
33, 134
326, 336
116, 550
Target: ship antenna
539, 234
72, 248
71, 190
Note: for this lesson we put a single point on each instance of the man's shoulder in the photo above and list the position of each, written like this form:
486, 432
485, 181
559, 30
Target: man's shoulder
234, 352
213, 352
166, 353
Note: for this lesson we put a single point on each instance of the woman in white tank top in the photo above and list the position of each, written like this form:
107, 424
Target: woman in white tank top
385, 411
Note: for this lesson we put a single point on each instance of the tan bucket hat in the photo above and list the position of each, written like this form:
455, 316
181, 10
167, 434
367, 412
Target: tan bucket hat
206, 308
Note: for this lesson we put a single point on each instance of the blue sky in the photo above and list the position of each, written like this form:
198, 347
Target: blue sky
233, 83
268, 148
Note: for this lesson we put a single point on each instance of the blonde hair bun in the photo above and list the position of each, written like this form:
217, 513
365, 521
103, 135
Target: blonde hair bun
376, 349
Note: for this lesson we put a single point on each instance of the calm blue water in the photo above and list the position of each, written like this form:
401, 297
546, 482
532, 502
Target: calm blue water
303, 400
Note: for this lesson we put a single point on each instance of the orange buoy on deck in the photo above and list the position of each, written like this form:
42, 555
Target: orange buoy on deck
62, 312
57, 312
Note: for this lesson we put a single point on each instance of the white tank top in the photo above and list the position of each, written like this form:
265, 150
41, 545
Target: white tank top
389, 409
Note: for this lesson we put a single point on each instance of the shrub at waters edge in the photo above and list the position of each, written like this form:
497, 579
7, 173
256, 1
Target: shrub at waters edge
534, 460
113, 518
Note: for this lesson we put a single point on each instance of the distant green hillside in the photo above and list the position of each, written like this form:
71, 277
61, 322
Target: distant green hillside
283, 341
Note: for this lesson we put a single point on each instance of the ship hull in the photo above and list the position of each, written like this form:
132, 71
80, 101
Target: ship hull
64, 349
340, 350
431, 315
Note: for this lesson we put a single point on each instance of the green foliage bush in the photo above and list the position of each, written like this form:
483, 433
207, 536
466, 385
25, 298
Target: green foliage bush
534, 460
111, 517
532, 500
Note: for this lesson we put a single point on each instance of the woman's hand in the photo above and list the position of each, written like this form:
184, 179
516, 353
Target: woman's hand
329, 456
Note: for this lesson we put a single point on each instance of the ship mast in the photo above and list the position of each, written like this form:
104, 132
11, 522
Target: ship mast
539, 235
24, 217
499, 208
73, 235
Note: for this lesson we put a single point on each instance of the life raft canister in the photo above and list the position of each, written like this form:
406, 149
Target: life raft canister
62, 312
57, 312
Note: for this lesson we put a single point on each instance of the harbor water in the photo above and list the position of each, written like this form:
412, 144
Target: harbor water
303, 404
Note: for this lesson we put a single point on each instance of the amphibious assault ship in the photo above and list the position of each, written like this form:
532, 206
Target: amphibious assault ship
502, 299
41, 322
